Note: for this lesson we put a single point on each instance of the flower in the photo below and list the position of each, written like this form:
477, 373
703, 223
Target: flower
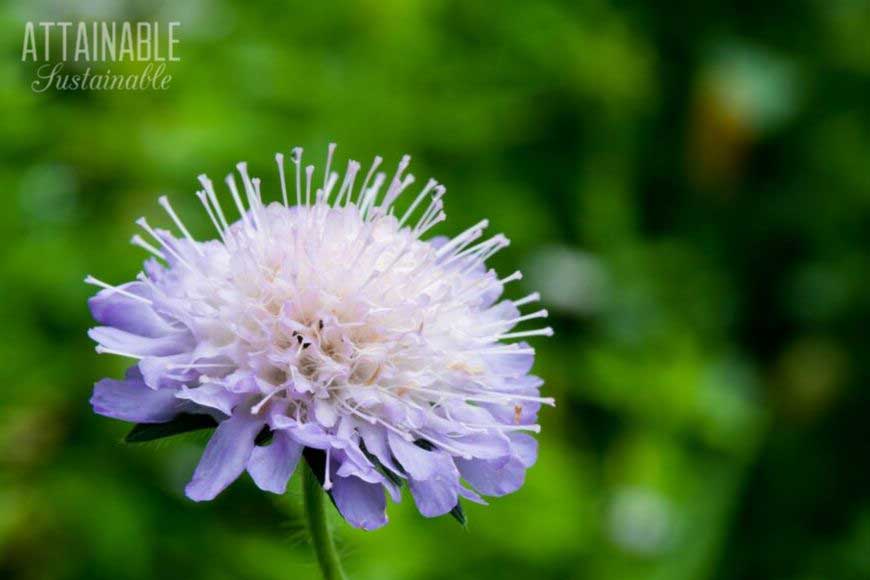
330, 328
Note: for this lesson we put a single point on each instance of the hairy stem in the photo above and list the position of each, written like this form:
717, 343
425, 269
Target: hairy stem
321, 537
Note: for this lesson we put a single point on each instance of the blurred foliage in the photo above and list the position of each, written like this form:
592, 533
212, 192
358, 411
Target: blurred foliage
687, 184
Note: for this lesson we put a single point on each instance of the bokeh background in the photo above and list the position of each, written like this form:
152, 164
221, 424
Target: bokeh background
687, 184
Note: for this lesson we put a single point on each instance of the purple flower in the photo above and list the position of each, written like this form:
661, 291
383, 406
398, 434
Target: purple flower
330, 329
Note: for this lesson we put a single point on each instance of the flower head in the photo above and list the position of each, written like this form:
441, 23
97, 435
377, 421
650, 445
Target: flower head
329, 328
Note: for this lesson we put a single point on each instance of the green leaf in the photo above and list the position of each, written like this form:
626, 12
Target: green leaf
382, 469
264, 437
424, 444
183, 423
459, 515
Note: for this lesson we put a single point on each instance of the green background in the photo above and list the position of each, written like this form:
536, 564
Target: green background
686, 183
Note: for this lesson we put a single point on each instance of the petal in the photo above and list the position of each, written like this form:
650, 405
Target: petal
375, 440
438, 494
501, 313
488, 478
362, 504
470, 495
165, 371
125, 342
494, 288
271, 466
132, 400
524, 385
308, 434
416, 461
112, 308
521, 413
354, 463
483, 445
512, 364
211, 395
438, 241
325, 413
225, 456
525, 448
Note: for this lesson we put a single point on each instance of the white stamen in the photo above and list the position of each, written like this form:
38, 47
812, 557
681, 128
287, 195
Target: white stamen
533, 297
279, 159
237, 199
141, 222
512, 278
212, 196
327, 483
95, 282
429, 186
203, 198
330, 150
375, 164
309, 171
164, 201
297, 161
103, 350
137, 240
525, 333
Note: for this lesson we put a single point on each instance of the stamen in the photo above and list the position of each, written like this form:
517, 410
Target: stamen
349, 178
309, 171
259, 406
143, 223
95, 282
446, 447
498, 242
234, 191
513, 321
297, 161
327, 483
486, 397
279, 160
513, 277
504, 349
255, 182
429, 185
330, 150
212, 196
103, 350
398, 183
203, 198
523, 334
431, 212
533, 297
164, 202
376, 420
463, 239
250, 193
330, 184
371, 195
362, 192
432, 223
137, 240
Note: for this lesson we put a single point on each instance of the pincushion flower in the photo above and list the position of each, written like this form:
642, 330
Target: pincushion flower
329, 329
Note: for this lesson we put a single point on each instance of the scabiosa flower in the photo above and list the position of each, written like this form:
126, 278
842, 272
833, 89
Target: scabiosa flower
329, 329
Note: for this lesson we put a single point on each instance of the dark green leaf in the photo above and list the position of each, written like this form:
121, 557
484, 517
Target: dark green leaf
182, 423
264, 437
384, 470
458, 514
424, 444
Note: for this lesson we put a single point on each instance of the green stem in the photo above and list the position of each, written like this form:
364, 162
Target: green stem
321, 537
